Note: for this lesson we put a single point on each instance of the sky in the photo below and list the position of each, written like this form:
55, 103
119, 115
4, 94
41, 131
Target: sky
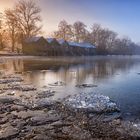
121, 16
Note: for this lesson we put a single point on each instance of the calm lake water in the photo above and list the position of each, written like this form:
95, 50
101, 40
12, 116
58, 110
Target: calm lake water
116, 76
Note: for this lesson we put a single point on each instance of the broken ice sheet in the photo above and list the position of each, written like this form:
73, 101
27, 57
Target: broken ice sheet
92, 102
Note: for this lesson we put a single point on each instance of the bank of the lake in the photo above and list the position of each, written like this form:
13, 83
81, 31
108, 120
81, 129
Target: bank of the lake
34, 92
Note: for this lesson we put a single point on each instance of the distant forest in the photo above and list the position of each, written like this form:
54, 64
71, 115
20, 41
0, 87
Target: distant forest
24, 21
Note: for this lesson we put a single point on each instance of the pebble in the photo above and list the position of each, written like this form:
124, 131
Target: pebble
25, 116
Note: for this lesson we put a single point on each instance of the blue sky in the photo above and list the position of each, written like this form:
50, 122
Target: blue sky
122, 16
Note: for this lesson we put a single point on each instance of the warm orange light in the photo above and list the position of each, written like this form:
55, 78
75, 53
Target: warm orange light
6, 4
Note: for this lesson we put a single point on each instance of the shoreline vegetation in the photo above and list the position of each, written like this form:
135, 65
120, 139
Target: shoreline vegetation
15, 29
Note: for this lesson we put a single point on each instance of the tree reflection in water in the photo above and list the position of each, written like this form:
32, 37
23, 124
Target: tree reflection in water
116, 76
67, 69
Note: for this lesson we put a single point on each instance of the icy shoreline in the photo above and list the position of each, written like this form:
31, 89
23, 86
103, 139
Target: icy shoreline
29, 113
93, 102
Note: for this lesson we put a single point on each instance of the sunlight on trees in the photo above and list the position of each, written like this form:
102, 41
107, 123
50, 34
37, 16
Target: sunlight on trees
20, 22
105, 40
24, 19
28, 16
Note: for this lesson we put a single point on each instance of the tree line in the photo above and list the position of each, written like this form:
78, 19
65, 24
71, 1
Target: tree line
18, 23
24, 20
106, 40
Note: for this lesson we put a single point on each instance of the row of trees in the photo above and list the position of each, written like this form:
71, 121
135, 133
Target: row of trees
19, 23
106, 41
23, 21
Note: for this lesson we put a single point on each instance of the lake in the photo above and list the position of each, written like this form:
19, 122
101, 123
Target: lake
115, 76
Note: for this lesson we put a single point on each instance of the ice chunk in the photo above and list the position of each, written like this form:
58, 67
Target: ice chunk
137, 125
91, 102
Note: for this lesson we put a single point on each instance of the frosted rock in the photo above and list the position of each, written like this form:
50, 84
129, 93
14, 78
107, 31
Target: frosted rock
12, 93
23, 87
91, 102
45, 94
137, 126
43, 103
6, 80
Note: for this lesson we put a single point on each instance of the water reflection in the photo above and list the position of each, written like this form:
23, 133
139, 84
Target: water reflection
68, 69
115, 76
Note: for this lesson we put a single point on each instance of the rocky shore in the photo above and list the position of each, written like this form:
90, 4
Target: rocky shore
29, 113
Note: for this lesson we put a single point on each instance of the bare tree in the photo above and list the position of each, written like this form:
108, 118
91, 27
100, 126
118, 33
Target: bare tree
0, 20
2, 31
28, 16
103, 38
99, 37
12, 26
64, 31
96, 29
111, 39
79, 31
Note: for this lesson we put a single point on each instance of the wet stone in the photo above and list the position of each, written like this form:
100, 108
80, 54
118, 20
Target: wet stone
18, 72
41, 137
2, 91
3, 120
61, 124
5, 108
58, 83
8, 133
11, 116
6, 80
7, 100
35, 116
17, 108
45, 94
86, 86
35, 121
111, 116
116, 122
12, 93
43, 103
18, 123
132, 128
22, 87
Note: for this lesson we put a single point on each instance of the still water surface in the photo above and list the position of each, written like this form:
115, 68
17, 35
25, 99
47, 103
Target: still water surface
115, 76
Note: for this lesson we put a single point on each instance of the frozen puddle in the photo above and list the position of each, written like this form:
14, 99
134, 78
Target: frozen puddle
91, 102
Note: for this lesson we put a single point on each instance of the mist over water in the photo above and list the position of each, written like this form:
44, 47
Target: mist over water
115, 76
